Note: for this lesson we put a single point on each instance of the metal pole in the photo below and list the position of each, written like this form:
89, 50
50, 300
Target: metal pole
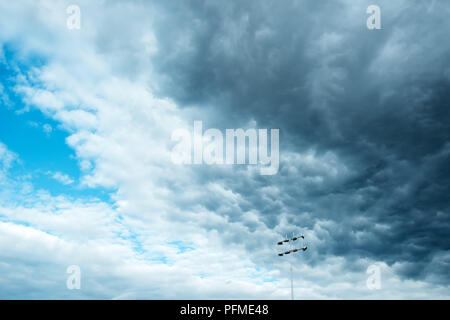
292, 284
292, 249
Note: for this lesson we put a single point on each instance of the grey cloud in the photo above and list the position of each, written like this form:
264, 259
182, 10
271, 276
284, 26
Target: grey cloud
370, 108
377, 99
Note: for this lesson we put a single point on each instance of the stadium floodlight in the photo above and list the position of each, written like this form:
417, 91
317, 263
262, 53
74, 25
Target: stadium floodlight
292, 248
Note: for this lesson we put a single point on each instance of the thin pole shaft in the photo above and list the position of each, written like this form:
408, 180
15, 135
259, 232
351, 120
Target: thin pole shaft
292, 284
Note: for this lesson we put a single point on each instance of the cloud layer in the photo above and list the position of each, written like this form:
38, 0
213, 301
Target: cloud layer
364, 135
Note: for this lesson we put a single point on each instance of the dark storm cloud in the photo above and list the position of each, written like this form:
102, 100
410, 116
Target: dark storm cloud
378, 100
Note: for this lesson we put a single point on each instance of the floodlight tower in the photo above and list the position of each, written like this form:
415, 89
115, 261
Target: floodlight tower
290, 242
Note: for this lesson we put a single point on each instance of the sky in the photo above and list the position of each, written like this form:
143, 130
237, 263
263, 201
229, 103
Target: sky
86, 177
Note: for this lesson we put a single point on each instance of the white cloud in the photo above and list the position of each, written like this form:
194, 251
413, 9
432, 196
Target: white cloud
97, 83
63, 178
7, 157
47, 129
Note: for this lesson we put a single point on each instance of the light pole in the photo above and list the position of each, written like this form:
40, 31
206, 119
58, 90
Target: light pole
290, 242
